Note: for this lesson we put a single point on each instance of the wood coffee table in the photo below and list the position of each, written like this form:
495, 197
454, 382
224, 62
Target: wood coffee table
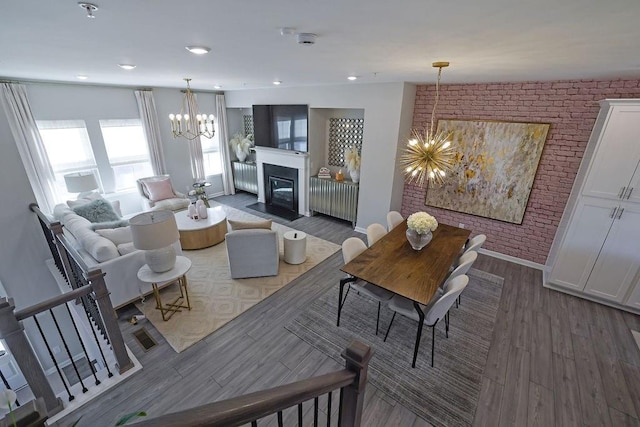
202, 233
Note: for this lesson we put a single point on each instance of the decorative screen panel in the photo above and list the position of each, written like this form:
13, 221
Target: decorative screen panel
344, 133
248, 124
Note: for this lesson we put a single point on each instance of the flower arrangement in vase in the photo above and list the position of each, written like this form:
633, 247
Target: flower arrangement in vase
352, 162
241, 145
419, 229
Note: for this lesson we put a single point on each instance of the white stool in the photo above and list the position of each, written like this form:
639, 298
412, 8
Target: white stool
295, 247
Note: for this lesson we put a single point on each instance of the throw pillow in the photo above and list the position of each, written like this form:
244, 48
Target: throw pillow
109, 224
97, 211
117, 235
126, 248
115, 204
244, 225
159, 190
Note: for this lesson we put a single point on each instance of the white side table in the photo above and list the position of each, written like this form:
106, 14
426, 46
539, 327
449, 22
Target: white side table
295, 247
177, 274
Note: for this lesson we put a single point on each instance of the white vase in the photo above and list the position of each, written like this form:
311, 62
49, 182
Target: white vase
193, 212
240, 154
202, 211
355, 175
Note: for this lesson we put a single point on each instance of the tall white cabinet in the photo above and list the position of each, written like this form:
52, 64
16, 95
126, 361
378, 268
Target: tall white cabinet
596, 251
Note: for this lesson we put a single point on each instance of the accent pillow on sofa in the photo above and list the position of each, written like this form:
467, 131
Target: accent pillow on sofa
117, 235
246, 225
159, 190
97, 211
115, 204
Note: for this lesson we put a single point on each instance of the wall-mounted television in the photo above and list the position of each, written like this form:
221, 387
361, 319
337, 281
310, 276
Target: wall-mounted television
281, 126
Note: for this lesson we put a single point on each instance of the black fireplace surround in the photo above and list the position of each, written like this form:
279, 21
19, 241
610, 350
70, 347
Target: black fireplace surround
281, 187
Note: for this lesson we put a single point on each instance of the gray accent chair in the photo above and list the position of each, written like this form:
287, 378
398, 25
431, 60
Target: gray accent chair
253, 253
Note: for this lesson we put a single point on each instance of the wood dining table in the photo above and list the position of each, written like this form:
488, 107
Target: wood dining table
392, 264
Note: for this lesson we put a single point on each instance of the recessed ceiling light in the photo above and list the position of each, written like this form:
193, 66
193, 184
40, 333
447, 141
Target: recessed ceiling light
82, 77
198, 50
217, 87
277, 82
352, 78
127, 66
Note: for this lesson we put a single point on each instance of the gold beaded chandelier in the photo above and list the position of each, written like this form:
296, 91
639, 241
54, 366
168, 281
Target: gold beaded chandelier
428, 155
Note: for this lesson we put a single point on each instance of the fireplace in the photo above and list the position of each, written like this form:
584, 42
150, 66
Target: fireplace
281, 187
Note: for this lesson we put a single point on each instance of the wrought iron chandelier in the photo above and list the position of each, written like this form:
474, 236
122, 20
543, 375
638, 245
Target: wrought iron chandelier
189, 123
429, 155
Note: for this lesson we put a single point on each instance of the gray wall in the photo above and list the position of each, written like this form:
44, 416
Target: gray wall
385, 125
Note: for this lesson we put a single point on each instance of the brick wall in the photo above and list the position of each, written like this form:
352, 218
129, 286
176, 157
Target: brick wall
570, 106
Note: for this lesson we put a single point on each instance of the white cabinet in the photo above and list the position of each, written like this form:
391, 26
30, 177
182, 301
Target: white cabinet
596, 251
619, 259
616, 157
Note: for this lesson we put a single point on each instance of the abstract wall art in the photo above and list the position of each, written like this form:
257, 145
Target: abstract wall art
495, 166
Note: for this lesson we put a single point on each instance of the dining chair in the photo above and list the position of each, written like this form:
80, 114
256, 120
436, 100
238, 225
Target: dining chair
375, 232
351, 248
466, 261
475, 243
393, 220
431, 314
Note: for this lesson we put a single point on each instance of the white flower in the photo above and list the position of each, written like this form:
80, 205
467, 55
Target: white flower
352, 159
421, 222
7, 399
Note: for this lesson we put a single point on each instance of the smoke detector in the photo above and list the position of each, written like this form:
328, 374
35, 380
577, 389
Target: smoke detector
89, 8
306, 38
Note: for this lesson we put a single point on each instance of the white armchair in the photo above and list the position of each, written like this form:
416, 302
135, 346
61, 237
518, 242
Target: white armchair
158, 193
253, 253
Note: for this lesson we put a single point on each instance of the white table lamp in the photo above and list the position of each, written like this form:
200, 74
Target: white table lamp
81, 182
155, 232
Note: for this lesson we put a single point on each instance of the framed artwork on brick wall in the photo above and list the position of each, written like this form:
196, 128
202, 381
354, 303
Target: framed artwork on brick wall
495, 166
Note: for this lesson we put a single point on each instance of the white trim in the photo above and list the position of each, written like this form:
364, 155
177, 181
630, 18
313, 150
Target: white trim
513, 259
360, 230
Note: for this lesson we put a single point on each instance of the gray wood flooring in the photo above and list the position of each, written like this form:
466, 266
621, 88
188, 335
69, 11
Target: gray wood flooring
554, 359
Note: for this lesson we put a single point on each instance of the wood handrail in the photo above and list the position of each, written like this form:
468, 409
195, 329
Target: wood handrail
244, 409
52, 302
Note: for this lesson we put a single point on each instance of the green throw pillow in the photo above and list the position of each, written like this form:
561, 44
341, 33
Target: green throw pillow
97, 211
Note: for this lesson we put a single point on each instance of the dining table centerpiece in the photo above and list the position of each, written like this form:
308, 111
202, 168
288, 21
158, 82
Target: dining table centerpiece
420, 226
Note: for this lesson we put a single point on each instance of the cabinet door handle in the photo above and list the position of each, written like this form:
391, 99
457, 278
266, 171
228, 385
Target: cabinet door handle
613, 214
621, 194
629, 191
620, 213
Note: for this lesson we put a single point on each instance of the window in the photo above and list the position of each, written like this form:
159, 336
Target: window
68, 149
127, 150
211, 155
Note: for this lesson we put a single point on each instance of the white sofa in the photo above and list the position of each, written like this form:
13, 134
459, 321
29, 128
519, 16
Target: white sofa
120, 263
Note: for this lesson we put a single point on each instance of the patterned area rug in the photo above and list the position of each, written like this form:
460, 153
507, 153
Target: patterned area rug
215, 297
446, 394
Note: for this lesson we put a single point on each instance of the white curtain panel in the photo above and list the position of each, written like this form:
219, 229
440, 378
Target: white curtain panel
151, 126
223, 137
196, 157
32, 151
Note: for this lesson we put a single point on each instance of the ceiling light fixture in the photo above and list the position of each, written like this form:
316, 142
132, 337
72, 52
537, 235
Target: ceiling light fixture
428, 156
198, 50
287, 31
81, 77
277, 82
217, 87
127, 66
189, 123
89, 8
352, 78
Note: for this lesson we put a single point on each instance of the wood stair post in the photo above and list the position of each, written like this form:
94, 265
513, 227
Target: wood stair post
357, 357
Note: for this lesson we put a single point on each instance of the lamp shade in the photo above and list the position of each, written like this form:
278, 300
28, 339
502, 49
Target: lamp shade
79, 182
154, 230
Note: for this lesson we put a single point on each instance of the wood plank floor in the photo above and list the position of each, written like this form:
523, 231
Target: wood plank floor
554, 359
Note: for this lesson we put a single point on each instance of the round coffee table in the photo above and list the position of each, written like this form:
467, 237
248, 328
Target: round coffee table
202, 233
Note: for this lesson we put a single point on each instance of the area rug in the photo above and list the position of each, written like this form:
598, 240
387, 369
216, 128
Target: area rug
215, 297
446, 394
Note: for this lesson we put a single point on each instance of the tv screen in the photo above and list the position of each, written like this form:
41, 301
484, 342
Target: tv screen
281, 126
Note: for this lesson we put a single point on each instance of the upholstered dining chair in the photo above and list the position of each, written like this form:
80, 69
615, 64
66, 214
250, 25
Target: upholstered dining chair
351, 248
394, 219
435, 311
465, 262
475, 243
375, 232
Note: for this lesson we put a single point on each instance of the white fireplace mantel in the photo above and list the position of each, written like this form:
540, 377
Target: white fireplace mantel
290, 159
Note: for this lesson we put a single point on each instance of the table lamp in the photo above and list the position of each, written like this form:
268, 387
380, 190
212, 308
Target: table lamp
155, 232
81, 182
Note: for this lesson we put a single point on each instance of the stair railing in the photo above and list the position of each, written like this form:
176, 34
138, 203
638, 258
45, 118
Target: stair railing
251, 408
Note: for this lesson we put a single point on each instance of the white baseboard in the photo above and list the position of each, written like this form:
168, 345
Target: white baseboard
590, 297
513, 259
360, 230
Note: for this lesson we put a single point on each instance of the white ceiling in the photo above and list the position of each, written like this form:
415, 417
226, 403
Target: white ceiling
377, 40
